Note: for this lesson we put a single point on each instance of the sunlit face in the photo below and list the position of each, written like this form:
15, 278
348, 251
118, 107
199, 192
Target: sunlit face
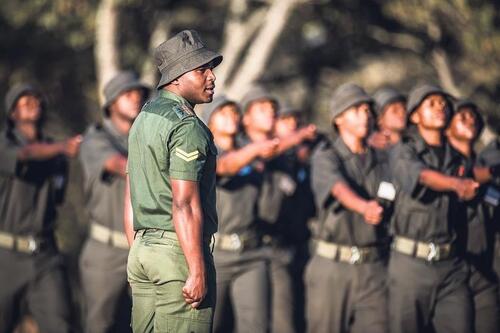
355, 120
225, 120
128, 104
28, 108
260, 116
431, 113
393, 118
198, 85
463, 125
285, 126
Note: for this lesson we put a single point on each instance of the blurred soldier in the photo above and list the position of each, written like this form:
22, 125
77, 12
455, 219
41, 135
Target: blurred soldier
171, 166
104, 157
465, 127
390, 109
427, 273
346, 277
242, 288
33, 177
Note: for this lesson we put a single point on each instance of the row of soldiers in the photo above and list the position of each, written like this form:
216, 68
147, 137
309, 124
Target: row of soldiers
402, 209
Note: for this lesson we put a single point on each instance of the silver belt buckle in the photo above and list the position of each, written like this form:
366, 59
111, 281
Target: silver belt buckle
434, 252
235, 241
32, 245
355, 255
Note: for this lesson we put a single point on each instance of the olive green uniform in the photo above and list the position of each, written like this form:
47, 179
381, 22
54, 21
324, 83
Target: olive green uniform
168, 141
31, 267
104, 257
346, 278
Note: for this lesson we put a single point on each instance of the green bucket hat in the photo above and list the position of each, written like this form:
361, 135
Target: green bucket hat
466, 103
420, 92
217, 103
347, 96
19, 90
385, 96
257, 93
123, 81
181, 54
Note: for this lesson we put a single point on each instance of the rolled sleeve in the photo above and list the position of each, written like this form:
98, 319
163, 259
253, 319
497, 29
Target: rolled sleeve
94, 152
188, 148
325, 173
406, 168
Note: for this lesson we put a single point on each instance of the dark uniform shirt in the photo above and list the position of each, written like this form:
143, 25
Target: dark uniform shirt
333, 163
168, 141
104, 192
421, 213
30, 190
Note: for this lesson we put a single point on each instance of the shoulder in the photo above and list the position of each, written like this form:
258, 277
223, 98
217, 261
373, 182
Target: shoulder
168, 109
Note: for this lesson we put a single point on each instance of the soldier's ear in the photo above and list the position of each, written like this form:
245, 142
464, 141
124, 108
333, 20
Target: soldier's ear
415, 116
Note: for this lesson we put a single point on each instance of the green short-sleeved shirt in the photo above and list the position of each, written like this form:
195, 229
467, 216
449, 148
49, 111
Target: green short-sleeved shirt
168, 141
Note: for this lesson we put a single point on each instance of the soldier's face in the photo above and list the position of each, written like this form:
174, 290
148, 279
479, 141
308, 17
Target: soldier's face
355, 121
394, 117
198, 85
128, 104
463, 125
285, 126
261, 116
27, 109
225, 121
431, 114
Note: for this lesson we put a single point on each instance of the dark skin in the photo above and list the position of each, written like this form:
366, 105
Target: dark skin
430, 119
352, 125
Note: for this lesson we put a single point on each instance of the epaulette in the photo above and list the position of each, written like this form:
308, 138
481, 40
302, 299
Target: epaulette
182, 111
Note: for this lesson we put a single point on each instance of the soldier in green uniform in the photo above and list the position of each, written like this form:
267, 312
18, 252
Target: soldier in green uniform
33, 176
427, 272
464, 129
103, 157
390, 110
346, 277
171, 168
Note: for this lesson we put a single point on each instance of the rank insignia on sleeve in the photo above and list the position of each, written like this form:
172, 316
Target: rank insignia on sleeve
185, 155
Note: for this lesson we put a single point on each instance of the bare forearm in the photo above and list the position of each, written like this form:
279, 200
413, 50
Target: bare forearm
128, 217
348, 198
40, 151
290, 141
117, 165
437, 181
188, 223
231, 163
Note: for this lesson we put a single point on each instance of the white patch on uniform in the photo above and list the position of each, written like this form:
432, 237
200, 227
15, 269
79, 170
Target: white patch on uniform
188, 157
386, 191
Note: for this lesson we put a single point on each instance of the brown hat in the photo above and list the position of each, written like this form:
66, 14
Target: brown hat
120, 83
181, 54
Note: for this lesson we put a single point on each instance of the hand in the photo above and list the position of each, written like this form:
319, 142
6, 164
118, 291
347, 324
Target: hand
194, 290
308, 132
373, 212
466, 188
268, 148
72, 146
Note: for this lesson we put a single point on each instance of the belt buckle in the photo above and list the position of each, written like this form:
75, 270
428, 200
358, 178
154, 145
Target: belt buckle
32, 245
434, 252
235, 241
355, 255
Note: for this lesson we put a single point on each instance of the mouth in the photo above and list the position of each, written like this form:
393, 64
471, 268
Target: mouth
210, 90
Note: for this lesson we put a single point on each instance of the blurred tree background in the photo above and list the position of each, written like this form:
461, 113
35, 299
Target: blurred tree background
301, 50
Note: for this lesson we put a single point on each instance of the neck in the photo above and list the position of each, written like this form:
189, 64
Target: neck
175, 90
432, 137
28, 130
464, 147
224, 141
354, 143
256, 136
121, 124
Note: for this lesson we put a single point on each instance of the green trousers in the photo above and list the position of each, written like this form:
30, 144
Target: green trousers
157, 271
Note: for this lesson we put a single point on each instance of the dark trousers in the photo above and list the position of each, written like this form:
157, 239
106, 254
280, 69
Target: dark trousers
38, 282
242, 291
484, 289
496, 260
341, 297
282, 292
103, 273
428, 297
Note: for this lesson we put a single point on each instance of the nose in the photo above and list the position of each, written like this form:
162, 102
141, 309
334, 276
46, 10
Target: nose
210, 74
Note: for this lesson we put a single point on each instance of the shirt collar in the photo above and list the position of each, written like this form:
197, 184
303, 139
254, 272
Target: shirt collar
172, 96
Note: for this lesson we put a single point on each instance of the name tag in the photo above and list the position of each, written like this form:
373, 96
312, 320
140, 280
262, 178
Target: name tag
386, 191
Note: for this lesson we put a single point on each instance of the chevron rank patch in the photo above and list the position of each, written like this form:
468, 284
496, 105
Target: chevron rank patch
188, 157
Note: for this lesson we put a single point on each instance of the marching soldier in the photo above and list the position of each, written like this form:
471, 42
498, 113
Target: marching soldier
171, 167
104, 157
346, 277
390, 110
33, 177
427, 273
464, 129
